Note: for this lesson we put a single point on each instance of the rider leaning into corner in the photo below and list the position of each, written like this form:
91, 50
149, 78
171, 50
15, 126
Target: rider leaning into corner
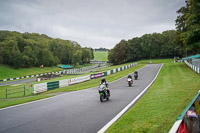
103, 81
129, 76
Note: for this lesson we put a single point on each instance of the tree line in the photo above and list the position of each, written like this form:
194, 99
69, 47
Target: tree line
188, 27
33, 49
182, 42
148, 46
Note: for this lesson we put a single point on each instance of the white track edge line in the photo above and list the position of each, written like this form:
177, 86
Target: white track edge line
53, 96
102, 130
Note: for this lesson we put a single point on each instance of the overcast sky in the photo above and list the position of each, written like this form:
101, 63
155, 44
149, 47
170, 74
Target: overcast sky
91, 23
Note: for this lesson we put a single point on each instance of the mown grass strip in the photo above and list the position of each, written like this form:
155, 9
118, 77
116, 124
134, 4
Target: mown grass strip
156, 111
7, 72
101, 56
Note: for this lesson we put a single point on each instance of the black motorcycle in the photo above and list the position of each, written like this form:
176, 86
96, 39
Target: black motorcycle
103, 92
135, 75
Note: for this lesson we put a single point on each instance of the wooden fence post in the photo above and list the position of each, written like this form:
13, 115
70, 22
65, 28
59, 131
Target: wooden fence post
6, 93
24, 90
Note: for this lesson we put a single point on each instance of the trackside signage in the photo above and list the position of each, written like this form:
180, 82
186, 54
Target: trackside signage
97, 75
79, 79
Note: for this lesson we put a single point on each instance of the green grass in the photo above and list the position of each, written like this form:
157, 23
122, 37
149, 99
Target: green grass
100, 56
8, 72
158, 109
157, 61
85, 65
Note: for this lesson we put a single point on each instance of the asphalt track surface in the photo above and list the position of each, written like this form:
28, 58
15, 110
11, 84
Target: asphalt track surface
17, 81
75, 112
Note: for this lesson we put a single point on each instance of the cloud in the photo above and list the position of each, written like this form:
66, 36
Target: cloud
91, 23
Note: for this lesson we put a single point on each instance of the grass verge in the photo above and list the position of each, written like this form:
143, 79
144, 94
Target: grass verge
8, 72
157, 110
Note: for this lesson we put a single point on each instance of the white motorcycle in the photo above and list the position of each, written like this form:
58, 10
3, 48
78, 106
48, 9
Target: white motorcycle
130, 82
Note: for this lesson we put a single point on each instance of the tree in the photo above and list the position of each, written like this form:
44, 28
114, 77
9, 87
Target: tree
77, 57
29, 58
188, 27
118, 54
86, 55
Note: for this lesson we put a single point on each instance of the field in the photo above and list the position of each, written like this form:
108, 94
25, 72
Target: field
8, 72
100, 56
158, 109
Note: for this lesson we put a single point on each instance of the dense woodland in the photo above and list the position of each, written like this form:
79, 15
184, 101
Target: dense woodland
32, 49
182, 42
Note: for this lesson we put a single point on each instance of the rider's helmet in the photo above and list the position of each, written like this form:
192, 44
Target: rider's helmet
103, 79
135, 72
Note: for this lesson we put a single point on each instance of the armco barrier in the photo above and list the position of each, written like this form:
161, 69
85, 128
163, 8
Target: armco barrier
196, 69
115, 70
52, 85
40, 88
179, 120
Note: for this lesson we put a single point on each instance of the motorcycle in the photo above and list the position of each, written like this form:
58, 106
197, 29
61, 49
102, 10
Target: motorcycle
135, 76
130, 82
103, 92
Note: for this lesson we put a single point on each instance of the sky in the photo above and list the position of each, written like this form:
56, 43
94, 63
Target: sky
91, 23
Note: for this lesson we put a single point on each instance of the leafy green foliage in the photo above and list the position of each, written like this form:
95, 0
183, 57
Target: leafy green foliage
148, 46
188, 27
32, 49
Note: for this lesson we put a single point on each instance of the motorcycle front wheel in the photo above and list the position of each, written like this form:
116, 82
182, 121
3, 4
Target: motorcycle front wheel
101, 97
129, 83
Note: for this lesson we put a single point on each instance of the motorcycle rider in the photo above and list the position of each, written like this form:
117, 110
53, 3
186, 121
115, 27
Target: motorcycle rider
136, 72
129, 76
103, 81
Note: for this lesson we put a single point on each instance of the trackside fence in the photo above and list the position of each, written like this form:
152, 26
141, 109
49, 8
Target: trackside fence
66, 82
195, 68
16, 91
188, 120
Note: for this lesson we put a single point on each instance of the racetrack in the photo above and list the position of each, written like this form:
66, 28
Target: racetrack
75, 112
